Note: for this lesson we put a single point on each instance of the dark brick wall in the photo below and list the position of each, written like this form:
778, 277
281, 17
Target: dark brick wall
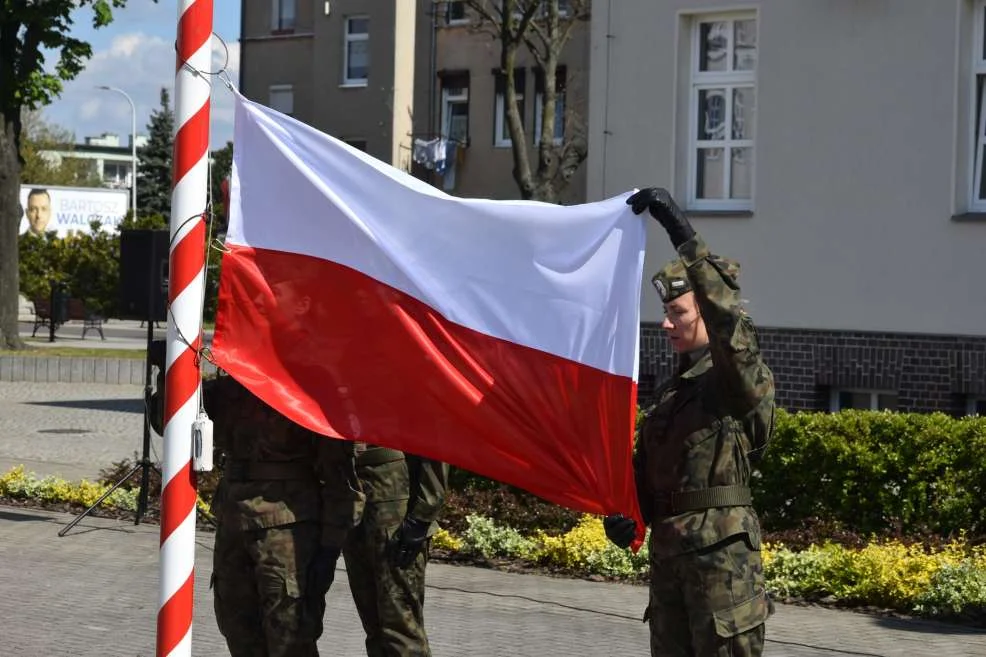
928, 372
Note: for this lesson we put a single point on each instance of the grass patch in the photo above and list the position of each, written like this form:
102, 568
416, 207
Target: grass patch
75, 352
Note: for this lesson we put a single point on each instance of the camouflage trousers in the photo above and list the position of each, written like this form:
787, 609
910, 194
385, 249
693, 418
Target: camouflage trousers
709, 603
389, 600
262, 606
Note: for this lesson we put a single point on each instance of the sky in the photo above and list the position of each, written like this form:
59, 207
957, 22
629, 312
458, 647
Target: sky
136, 53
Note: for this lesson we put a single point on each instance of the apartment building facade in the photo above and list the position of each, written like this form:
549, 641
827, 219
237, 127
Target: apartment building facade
836, 149
415, 83
104, 155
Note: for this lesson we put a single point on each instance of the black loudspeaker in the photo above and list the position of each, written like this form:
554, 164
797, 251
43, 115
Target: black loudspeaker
144, 274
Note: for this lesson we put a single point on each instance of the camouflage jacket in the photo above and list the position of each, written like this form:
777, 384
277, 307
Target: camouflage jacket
315, 477
708, 422
403, 481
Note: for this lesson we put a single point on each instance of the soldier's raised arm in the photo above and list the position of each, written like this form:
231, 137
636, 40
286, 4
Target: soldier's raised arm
745, 382
733, 342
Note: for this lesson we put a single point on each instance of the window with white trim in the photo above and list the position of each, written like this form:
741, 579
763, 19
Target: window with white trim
356, 51
864, 400
282, 15
722, 112
559, 133
978, 187
455, 12
501, 129
281, 98
455, 108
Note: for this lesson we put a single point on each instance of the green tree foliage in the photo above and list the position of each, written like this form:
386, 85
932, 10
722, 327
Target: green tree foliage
29, 30
154, 170
89, 265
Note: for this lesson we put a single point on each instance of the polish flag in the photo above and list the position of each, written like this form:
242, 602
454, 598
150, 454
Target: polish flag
497, 336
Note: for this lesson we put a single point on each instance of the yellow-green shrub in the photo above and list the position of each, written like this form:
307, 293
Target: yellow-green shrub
889, 574
586, 550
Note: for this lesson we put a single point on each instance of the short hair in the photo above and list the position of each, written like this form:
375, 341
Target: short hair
38, 191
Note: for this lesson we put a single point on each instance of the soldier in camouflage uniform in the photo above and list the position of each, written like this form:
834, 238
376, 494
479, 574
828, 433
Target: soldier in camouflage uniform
387, 553
693, 458
285, 503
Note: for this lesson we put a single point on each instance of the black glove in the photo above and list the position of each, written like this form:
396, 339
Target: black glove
322, 570
407, 541
663, 208
620, 529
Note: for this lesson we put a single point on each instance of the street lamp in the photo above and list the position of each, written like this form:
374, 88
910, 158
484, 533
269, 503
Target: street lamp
133, 148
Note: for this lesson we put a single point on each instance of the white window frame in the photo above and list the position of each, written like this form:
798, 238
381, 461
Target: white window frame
538, 104
448, 10
348, 39
277, 13
978, 106
449, 99
501, 130
728, 80
281, 88
874, 397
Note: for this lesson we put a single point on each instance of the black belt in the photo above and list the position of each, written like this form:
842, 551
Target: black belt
239, 470
671, 504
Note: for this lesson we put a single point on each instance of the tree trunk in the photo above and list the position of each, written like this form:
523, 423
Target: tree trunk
522, 163
10, 219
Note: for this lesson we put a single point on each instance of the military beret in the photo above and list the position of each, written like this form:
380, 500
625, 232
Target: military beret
671, 281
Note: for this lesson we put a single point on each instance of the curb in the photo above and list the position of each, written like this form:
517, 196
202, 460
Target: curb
74, 369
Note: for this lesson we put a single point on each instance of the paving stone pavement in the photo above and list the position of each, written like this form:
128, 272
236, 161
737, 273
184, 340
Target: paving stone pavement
71, 430
94, 592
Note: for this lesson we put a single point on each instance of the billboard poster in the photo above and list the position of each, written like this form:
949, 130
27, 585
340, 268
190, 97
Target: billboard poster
70, 209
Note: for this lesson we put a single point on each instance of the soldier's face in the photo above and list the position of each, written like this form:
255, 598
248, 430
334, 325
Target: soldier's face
684, 324
38, 212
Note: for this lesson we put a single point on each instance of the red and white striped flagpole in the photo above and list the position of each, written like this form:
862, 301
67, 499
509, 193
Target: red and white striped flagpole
185, 293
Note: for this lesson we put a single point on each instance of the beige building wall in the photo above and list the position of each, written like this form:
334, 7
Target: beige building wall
486, 170
271, 57
402, 98
860, 210
311, 59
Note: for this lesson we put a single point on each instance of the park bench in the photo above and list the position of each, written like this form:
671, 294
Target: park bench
75, 310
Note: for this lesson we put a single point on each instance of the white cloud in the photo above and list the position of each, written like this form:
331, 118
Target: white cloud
141, 65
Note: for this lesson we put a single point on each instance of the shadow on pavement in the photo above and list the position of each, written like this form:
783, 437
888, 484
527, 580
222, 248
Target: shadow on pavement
923, 626
119, 405
18, 516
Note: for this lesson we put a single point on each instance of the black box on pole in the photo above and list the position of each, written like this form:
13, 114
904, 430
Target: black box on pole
144, 258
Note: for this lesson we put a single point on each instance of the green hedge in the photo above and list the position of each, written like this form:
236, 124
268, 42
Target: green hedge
875, 472
853, 472
89, 266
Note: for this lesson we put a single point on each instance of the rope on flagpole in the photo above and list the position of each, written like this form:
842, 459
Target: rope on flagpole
186, 292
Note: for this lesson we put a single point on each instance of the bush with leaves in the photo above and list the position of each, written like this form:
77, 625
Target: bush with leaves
88, 264
875, 472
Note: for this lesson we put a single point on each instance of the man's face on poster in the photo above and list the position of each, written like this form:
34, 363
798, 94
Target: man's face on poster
38, 211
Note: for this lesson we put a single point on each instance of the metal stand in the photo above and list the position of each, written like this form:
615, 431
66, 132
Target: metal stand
144, 464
